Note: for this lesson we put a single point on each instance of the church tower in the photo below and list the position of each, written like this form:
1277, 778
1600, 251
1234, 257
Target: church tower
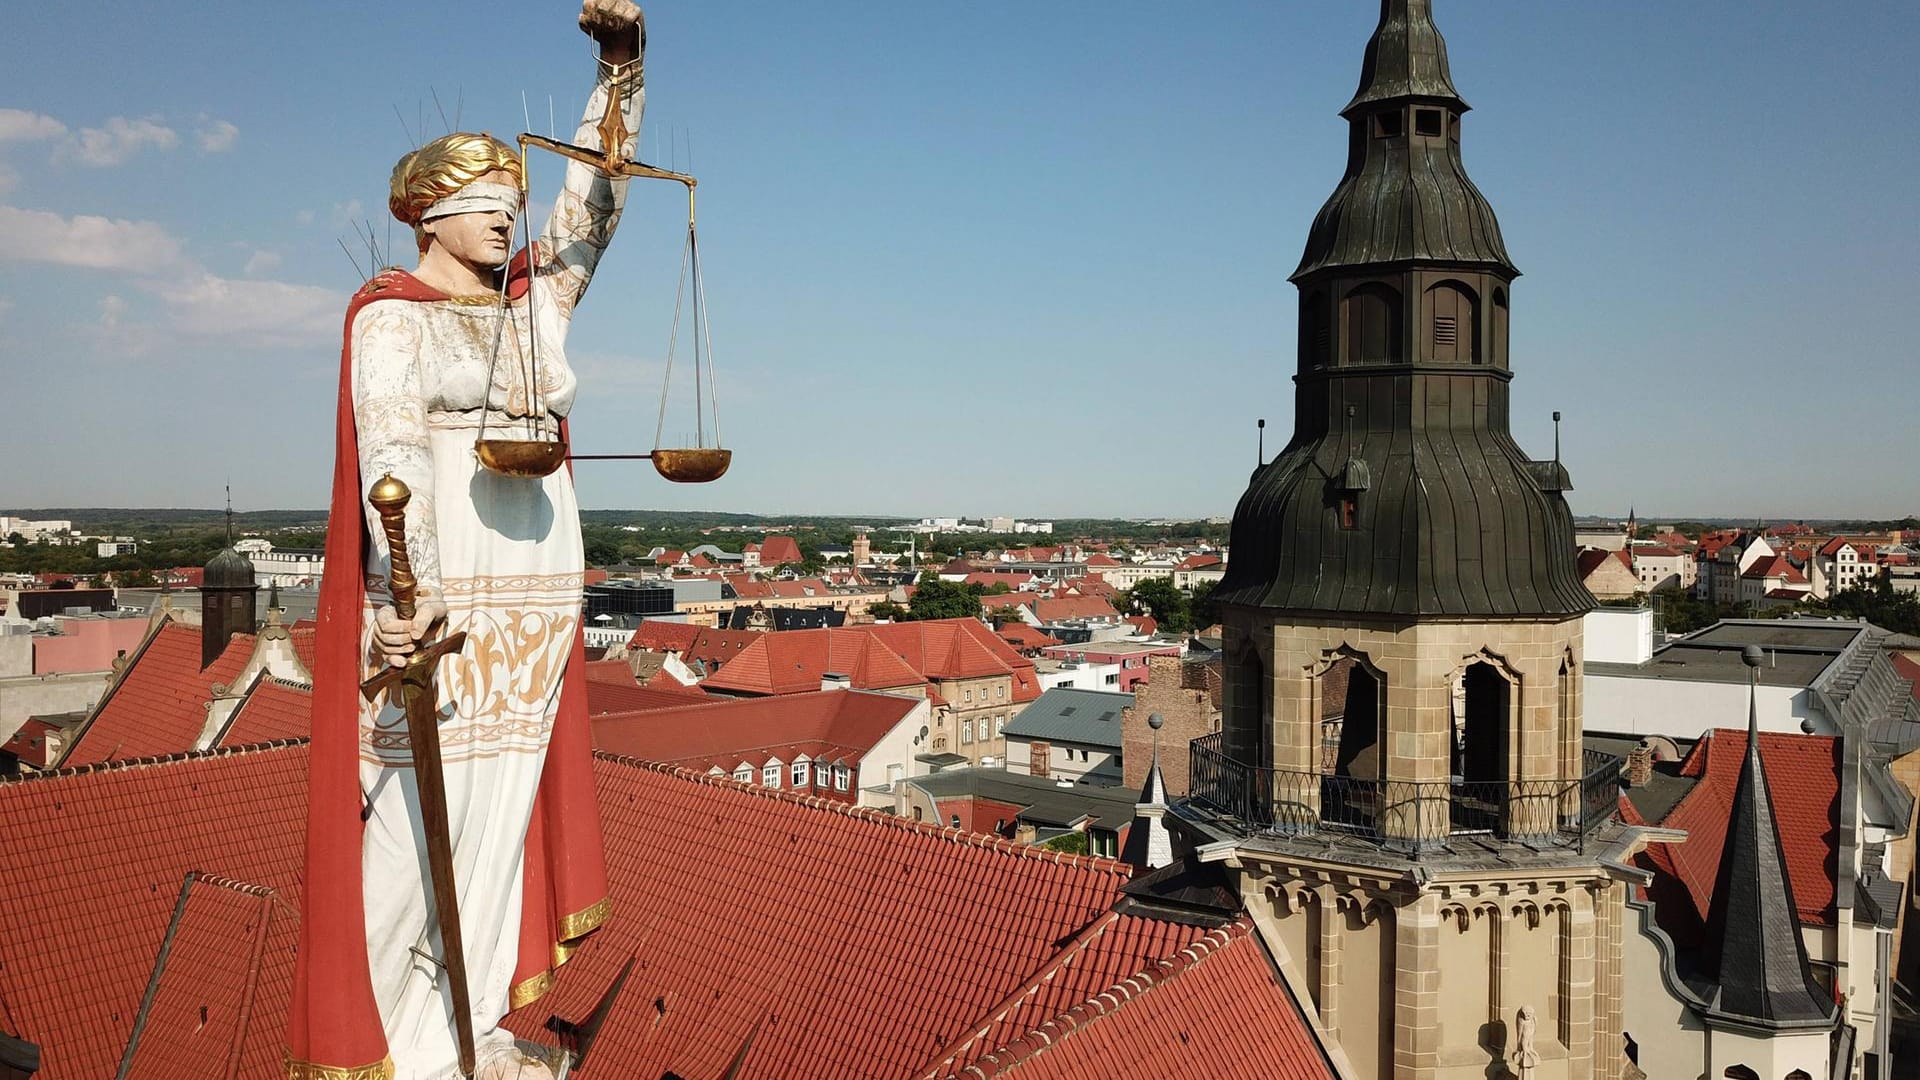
227, 590
1399, 777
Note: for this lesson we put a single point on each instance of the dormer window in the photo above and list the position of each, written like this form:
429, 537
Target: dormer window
1427, 122
1387, 125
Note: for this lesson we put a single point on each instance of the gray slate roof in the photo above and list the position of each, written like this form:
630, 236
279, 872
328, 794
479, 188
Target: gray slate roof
1080, 717
1044, 802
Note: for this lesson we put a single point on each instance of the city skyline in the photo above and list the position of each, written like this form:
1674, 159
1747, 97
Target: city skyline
919, 228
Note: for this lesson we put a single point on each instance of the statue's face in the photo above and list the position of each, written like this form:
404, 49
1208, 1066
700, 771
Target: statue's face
479, 239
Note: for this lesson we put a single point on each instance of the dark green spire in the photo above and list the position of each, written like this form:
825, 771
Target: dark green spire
1406, 58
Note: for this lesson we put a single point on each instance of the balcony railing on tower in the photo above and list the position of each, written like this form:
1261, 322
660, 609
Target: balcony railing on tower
1412, 814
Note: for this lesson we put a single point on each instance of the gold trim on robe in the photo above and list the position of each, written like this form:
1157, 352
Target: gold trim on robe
307, 1070
530, 991
581, 923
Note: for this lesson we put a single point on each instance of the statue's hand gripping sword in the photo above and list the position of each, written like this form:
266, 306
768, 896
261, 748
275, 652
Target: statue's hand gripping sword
413, 690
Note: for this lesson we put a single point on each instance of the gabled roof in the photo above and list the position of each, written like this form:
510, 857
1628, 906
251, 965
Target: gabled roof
1061, 608
793, 662
1803, 777
1098, 561
159, 704
1833, 546
123, 837
957, 649
273, 710
1214, 1008
1021, 636
796, 921
710, 648
840, 725
779, 550
630, 697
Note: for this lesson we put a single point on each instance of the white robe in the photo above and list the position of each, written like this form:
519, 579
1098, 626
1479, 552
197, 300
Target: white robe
505, 555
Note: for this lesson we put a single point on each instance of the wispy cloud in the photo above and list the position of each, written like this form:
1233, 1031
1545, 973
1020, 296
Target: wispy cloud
19, 125
261, 262
197, 304
9, 178
117, 141
86, 240
215, 136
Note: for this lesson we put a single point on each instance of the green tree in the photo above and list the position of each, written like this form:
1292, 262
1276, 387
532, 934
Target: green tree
1169, 607
1073, 843
888, 610
1203, 607
937, 599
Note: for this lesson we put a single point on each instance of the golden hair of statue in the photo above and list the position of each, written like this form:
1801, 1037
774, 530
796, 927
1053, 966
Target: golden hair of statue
443, 167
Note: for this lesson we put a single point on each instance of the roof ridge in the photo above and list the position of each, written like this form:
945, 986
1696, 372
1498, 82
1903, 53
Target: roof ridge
877, 816
1106, 1003
1022, 995
219, 881
50, 775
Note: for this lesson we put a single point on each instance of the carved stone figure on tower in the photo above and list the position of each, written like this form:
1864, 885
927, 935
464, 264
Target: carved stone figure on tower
430, 357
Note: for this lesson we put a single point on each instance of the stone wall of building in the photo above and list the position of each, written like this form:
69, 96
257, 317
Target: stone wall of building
1186, 696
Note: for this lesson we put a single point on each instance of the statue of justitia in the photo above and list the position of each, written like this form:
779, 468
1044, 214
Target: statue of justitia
428, 357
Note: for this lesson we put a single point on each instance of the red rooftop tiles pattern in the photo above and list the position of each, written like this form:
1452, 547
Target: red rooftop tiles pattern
159, 706
825, 726
89, 877
793, 661
1803, 775
1215, 1009
273, 711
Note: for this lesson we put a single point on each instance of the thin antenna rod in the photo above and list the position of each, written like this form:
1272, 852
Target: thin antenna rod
1260, 455
356, 262
459, 103
1556, 436
411, 138
229, 514
440, 109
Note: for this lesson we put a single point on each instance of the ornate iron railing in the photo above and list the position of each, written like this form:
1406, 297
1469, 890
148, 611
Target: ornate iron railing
1408, 813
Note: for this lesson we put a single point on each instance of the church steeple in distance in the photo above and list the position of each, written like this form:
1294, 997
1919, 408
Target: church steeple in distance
1402, 491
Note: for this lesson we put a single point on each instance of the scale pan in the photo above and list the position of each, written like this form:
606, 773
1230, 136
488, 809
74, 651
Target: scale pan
694, 465
520, 457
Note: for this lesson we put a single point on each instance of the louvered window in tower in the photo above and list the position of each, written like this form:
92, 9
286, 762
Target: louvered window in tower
1446, 331
1454, 336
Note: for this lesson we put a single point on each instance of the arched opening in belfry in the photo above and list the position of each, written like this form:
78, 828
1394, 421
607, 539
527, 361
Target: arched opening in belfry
1371, 317
1483, 706
1453, 311
1740, 1072
1352, 746
1358, 751
1499, 331
1249, 719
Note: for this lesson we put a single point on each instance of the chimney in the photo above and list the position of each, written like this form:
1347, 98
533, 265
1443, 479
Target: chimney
1640, 765
834, 680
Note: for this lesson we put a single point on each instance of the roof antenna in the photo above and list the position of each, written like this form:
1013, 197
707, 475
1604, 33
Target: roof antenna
229, 515
1260, 455
1556, 436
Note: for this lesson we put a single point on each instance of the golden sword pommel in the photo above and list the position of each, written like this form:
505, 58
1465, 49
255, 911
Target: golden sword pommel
389, 497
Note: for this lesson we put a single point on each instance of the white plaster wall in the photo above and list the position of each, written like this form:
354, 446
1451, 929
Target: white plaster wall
1672, 1041
1618, 635
896, 747
28, 696
1681, 709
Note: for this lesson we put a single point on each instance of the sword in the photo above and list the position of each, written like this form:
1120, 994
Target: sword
412, 689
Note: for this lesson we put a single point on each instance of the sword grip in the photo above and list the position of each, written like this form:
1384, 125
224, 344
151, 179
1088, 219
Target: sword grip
389, 497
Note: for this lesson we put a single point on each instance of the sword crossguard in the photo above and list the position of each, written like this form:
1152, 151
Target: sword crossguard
418, 672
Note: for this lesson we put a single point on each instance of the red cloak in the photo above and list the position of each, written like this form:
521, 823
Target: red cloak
334, 1030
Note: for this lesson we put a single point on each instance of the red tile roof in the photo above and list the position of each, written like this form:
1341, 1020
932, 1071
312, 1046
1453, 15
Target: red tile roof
1195, 562
793, 661
694, 643
837, 725
273, 710
30, 744
124, 836
779, 550
1143, 624
1021, 636
1591, 559
957, 649
1214, 1008
796, 920
1073, 607
159, 704
1101, 562
1803, 775
1909, 670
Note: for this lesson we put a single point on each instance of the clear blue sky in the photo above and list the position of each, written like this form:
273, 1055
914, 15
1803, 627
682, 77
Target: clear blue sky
977, 258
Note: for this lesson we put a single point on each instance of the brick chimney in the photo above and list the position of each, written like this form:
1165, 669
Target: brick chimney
1640, 765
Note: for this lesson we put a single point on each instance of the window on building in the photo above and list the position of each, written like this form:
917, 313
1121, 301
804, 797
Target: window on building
956, 821
799, 774
1000, 693
1103, 843
770, 774
1427, 121
966, 732
1387, 125
999, 725
839, 778
744, 774
967, 696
